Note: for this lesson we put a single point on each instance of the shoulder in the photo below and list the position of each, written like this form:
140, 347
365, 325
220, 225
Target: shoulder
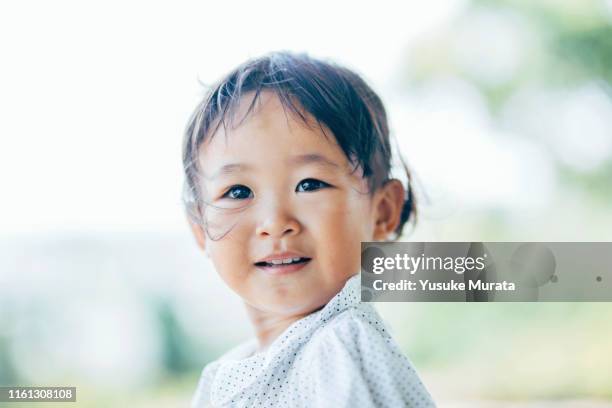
239, 352
354, 358
243, 350
356, 329
202, 395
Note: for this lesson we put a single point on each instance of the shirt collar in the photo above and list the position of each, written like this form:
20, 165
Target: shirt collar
284, 346
348, 296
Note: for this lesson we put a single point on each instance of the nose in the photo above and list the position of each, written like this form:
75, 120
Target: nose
277, 222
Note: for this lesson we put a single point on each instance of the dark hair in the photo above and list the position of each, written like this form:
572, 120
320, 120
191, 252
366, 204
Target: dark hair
335, 96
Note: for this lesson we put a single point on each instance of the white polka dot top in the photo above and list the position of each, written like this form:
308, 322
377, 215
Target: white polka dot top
339, 356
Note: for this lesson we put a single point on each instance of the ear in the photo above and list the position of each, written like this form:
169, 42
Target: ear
389, 201
198, 233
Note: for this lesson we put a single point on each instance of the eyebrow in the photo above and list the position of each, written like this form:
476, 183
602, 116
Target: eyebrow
299, 160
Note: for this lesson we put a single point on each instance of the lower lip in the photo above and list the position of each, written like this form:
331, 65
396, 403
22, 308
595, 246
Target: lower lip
282, 269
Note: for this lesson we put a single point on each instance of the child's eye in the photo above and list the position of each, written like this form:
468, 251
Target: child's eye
312, 184
238, 192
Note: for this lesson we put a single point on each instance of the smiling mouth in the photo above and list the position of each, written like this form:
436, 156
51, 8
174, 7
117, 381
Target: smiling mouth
283, 269
264, 264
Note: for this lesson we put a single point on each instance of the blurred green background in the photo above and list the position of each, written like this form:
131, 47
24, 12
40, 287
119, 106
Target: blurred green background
503, 110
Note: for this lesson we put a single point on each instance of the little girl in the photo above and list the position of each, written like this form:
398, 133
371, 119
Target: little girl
287, 163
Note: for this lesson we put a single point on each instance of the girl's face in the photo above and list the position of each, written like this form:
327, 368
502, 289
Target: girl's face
286, 188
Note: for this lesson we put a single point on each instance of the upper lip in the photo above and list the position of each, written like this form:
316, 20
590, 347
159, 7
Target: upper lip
281, 255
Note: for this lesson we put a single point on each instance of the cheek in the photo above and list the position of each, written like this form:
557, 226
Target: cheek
340, 225
229, 262
343, 214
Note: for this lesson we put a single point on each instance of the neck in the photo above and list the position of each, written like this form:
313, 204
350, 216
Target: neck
269, 326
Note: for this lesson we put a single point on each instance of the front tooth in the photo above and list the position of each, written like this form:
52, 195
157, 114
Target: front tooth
287, 261
276, 261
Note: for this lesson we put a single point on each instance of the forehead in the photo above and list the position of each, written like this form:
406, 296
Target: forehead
270, 133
